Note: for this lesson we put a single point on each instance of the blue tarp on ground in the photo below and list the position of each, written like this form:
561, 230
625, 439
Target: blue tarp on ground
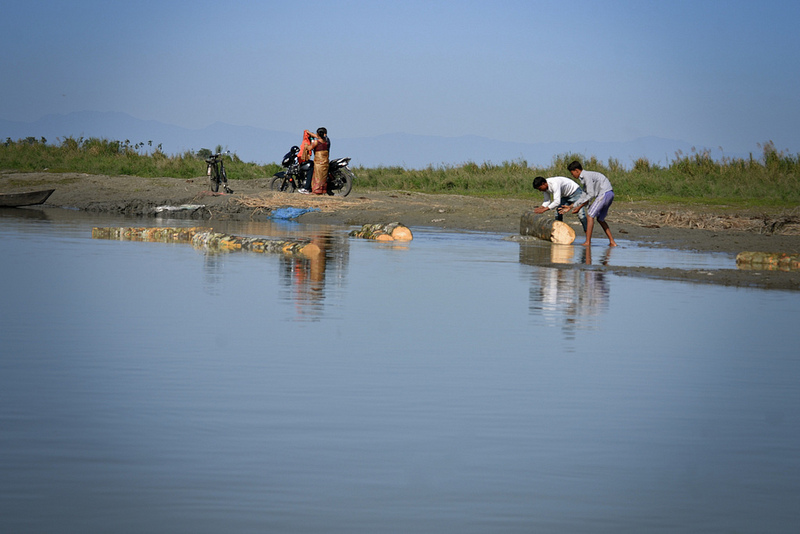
289, 212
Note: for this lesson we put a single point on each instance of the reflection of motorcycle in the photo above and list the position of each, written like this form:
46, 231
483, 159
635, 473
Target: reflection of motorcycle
340, 177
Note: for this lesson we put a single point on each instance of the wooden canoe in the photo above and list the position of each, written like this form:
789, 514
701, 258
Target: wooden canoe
30, 198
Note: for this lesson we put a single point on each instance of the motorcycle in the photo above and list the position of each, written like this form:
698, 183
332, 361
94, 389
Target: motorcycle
340, 177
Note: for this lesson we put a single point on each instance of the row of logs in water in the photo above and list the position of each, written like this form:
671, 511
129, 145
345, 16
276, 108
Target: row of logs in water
531, 224
208, 239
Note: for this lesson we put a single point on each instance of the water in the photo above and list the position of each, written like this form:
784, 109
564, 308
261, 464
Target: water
448, 384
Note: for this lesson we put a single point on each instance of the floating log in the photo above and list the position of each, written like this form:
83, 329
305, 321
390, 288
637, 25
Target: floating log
393, 231
771, 261
206, 238
546, 227
157, 234
290, 247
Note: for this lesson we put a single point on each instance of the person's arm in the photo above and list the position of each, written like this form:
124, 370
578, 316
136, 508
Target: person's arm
556, 196
546, 205
576, 207
589, 187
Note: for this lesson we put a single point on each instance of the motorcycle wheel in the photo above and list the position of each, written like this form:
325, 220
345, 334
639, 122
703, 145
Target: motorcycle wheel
342, 182
281, 184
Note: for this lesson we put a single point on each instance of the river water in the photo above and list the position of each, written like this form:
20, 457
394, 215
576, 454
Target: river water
456, 383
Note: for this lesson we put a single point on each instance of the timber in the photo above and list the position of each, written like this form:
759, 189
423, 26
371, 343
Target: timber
205, 238
155, 234
546, 227
771, 261
393, 231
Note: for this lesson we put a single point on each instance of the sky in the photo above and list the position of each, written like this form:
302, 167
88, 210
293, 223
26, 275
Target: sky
719, 74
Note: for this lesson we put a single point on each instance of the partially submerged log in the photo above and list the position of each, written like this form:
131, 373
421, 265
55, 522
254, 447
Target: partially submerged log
206, 238
546, 227
393, 231
772, 261
154, 234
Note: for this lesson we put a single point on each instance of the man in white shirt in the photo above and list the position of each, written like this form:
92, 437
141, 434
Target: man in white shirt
559, 191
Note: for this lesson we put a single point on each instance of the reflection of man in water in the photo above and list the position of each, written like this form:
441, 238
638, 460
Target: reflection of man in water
569, 297
559, 191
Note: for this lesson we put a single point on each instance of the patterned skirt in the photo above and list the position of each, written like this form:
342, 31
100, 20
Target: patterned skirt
320, 180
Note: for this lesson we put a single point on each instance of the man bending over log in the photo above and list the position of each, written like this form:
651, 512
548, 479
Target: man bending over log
559, 191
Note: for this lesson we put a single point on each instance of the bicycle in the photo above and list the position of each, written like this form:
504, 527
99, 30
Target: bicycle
216, 172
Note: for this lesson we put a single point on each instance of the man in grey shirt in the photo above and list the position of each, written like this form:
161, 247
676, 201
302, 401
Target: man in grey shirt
595, 186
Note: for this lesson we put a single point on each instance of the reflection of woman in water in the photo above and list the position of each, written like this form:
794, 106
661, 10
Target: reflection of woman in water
321, 146
307, 276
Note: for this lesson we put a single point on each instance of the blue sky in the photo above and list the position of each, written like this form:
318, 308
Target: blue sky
712, 73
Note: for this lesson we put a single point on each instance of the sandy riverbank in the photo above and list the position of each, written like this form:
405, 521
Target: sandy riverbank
716, 230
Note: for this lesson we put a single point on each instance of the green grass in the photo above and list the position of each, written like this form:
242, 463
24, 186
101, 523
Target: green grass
101, 156
771, 180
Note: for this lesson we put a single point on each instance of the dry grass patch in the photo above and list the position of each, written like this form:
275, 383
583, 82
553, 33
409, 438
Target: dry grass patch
271, 201
784, 224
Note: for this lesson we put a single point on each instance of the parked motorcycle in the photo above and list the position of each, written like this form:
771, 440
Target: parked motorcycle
340, 177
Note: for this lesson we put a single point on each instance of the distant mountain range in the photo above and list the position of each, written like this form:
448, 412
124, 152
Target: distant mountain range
265, 146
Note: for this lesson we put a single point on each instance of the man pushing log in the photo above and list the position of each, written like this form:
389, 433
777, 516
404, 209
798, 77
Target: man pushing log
559, 191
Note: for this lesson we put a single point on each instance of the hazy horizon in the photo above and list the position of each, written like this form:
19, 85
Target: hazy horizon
709, 73
267, 146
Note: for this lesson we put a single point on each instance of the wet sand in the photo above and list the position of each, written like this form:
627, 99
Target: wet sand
717, 229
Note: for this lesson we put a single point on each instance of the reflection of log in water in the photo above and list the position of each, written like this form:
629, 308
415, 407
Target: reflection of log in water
773, 261
538, 253
393, 231
205, 238
546, 227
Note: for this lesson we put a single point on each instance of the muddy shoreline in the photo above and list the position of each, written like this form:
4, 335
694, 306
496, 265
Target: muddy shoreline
717, 229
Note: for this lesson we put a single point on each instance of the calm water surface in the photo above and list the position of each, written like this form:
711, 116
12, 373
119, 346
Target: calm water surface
456, 383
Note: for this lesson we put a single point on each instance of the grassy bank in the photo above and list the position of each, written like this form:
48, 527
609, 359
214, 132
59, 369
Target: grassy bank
770, 179
102, 156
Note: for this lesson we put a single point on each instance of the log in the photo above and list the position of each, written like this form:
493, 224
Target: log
771, 261
155, 234
546, 227
393, 231
206, 238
